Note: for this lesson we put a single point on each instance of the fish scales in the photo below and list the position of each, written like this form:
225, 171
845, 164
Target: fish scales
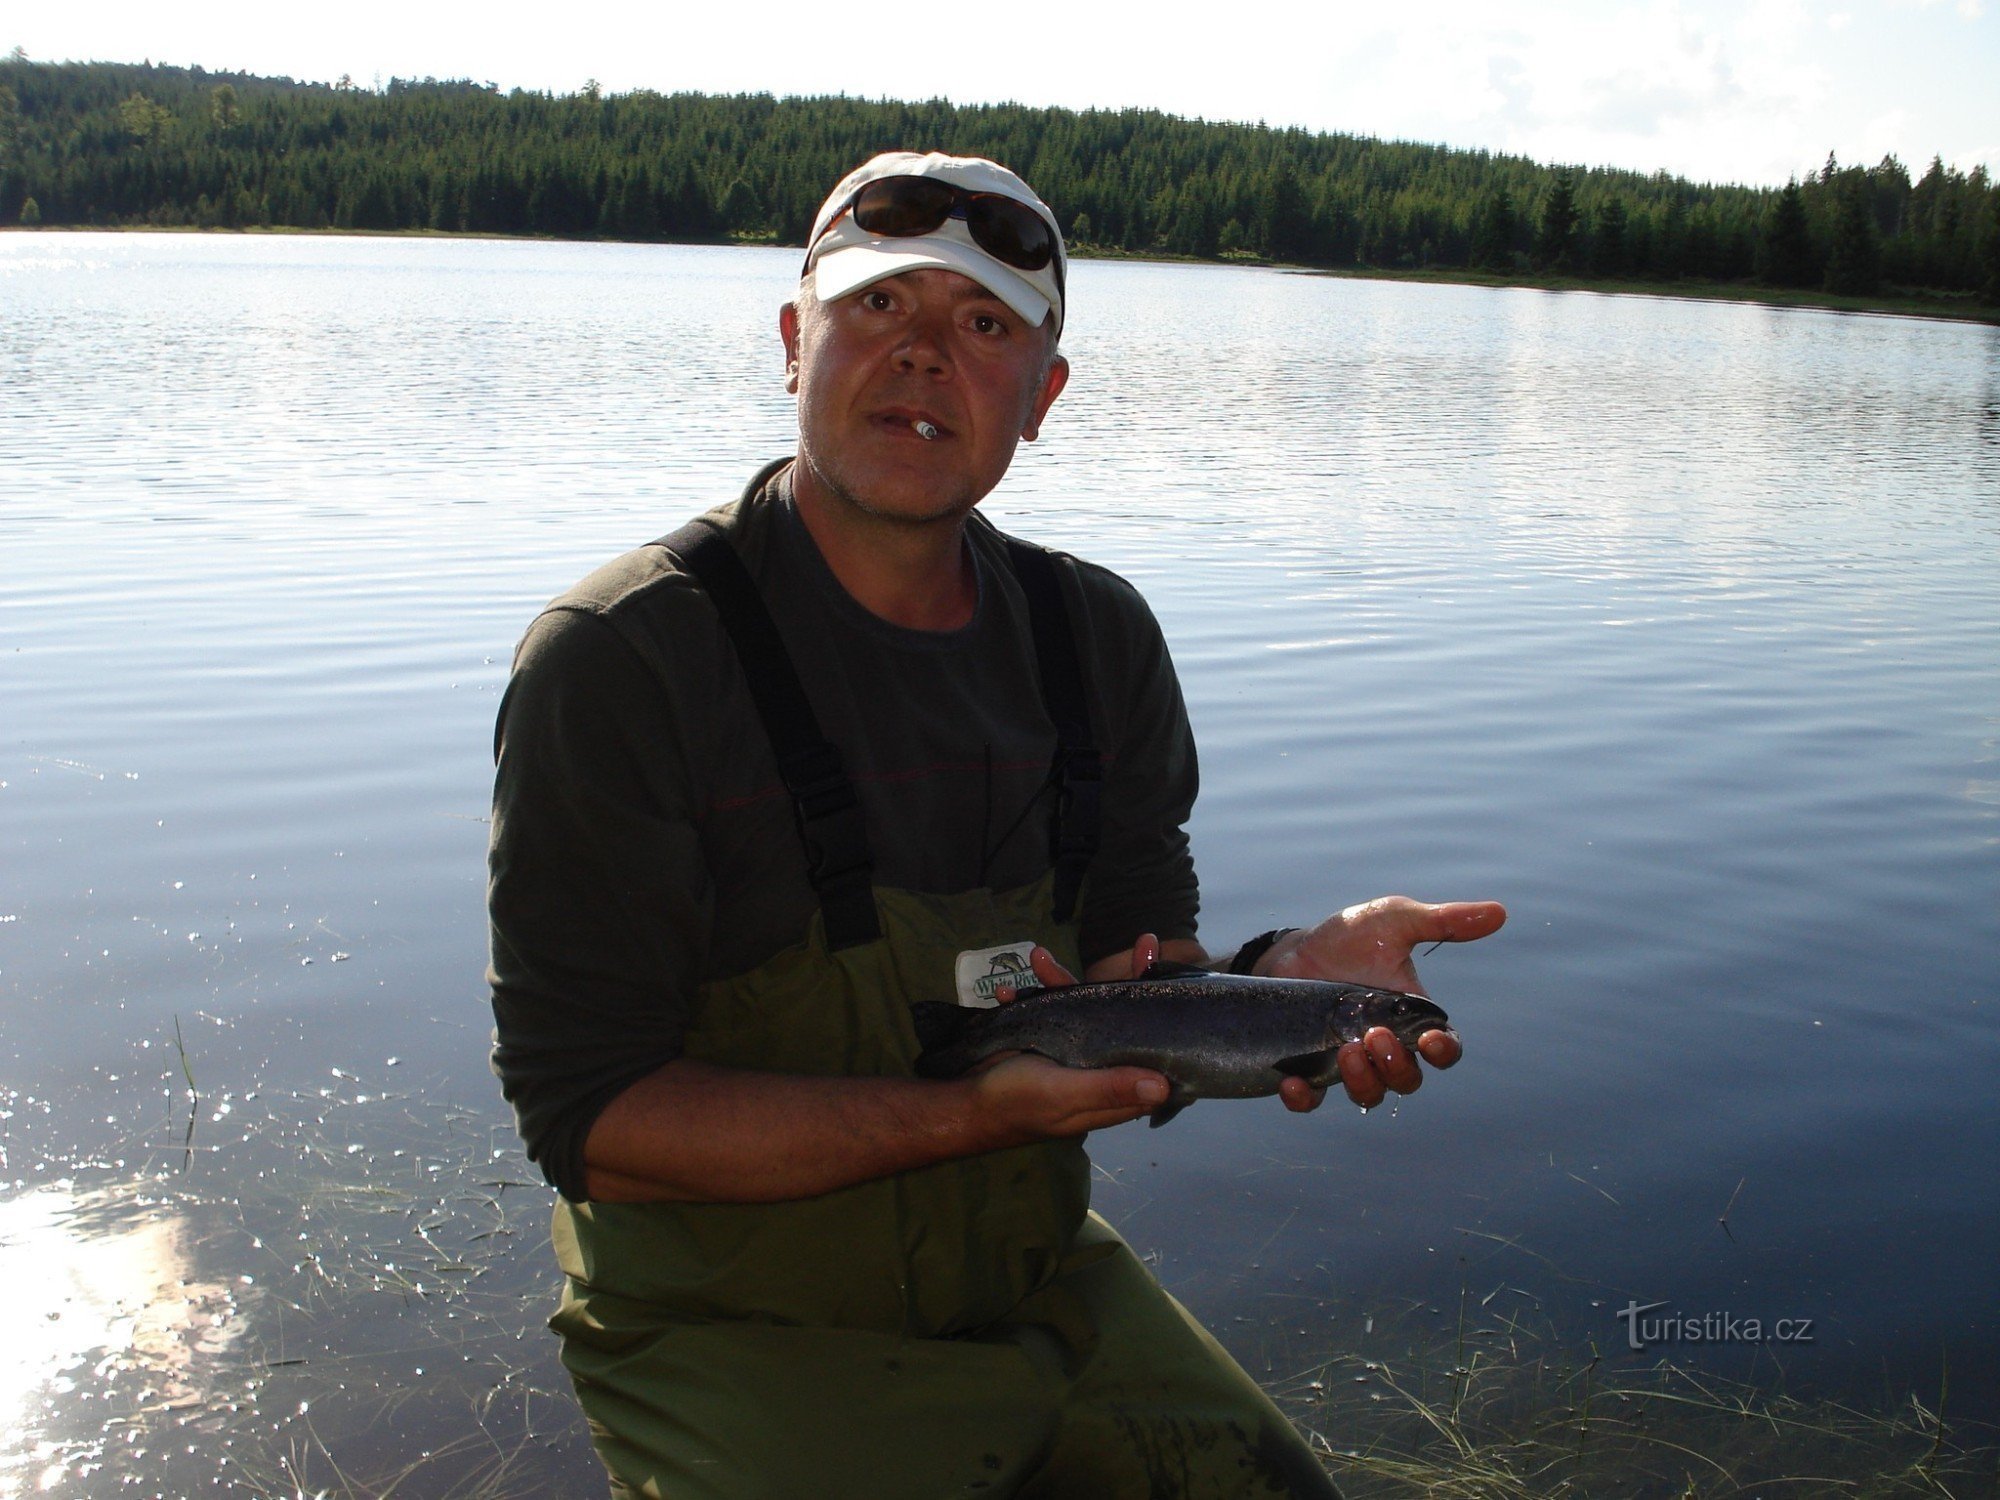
1214, 1036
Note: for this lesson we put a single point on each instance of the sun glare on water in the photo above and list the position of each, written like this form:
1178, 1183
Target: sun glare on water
104, 1294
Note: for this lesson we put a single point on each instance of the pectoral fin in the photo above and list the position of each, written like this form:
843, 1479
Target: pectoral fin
1317, 1068
1178, 1099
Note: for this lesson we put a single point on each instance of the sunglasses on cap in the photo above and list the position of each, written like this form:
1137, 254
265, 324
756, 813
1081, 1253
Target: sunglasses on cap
902, 208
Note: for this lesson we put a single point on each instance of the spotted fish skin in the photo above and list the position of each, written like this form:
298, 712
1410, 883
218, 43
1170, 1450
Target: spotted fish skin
1214, 1036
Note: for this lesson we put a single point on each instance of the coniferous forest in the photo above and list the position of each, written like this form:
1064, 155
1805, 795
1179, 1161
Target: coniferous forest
117, 145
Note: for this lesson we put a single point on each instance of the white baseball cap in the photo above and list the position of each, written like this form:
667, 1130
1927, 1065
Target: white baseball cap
842, 257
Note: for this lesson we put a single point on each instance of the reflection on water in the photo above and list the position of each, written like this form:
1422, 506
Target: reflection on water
346, 1300
1670, 624
109, 1331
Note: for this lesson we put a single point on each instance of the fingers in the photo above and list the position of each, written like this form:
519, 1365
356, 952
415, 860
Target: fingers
1391, 921
1440, 1048
1377, 1064
1466, 921
1045, 1100
1096, 1098
1299, 1096
1135, 1085
1048, 973
1052, 974
1372, 943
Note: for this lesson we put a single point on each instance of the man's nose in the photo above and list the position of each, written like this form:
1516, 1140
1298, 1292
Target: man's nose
924, 349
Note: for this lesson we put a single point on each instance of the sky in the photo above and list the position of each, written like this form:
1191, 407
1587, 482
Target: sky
1753, 91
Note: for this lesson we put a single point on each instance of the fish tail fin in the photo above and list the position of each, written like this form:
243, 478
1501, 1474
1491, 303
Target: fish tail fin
938, 1026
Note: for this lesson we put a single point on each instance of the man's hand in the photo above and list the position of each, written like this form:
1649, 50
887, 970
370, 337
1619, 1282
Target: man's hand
1035, 1099
1368, 944
1044, 1098
1372, 944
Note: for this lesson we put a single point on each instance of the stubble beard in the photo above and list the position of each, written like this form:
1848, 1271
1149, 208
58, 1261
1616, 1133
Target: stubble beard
947, 509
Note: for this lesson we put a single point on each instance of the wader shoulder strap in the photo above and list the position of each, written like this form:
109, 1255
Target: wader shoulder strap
1078, 771
829, 814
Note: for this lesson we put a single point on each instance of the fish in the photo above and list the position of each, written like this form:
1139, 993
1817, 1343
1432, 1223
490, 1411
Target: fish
1214, 1036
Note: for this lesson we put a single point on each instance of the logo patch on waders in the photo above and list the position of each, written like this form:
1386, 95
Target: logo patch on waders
981, 971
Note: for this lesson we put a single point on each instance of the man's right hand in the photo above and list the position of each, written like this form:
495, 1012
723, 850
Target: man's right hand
1034, 1099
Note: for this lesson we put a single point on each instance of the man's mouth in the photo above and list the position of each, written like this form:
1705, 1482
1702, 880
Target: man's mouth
918, 423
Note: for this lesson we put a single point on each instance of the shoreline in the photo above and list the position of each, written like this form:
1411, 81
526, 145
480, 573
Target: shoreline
1930, 308
1933, 309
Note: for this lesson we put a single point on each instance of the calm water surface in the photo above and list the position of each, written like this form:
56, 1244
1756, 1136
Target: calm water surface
1673, 625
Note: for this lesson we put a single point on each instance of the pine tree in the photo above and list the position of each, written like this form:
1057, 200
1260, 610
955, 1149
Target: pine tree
1608, 249
1555, 237
742, 211
1788, 257
10, 124
1493, 233
1854, 256
1990, 252
1280, 228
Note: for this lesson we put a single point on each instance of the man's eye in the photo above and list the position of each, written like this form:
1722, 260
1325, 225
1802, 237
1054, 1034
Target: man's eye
987, 323
877, 301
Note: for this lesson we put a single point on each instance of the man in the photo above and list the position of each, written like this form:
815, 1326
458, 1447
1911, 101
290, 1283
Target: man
836, 749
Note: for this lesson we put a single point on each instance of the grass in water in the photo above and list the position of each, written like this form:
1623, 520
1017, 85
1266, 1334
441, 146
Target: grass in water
1509, 1421
194, 1099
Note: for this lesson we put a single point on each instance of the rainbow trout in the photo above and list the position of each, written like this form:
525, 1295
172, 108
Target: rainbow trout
1214, 1036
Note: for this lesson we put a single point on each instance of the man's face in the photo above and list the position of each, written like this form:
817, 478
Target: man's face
926, 346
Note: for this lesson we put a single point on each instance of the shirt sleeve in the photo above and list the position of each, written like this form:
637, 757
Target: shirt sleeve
1142, 878
597, 891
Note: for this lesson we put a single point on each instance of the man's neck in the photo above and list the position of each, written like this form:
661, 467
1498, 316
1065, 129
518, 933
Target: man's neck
918, 575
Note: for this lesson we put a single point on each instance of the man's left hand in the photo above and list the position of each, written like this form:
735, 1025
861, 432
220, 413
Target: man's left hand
1373, 944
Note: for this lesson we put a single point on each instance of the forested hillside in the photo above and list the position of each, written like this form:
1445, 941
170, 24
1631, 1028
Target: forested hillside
124, 145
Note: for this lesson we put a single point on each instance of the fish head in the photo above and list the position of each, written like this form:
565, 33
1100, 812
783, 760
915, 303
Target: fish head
1409, 1016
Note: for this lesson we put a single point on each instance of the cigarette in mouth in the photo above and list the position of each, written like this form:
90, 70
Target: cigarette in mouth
925, 431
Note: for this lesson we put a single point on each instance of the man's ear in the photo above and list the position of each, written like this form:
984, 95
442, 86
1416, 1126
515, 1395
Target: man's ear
1052, 387
788, 330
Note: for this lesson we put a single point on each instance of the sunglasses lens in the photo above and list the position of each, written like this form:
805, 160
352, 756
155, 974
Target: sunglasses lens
903, 207
1010, 231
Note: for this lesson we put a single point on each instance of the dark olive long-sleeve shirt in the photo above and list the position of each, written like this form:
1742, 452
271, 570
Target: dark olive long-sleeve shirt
643, 841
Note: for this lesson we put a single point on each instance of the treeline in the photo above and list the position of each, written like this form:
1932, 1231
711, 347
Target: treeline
85, 144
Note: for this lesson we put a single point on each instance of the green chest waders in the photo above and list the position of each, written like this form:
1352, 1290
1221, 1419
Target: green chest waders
920, 1335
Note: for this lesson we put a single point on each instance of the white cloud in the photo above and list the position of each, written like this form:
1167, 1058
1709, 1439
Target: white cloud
1665, 84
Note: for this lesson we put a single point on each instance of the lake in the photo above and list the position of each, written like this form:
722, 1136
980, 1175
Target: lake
1674, 625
